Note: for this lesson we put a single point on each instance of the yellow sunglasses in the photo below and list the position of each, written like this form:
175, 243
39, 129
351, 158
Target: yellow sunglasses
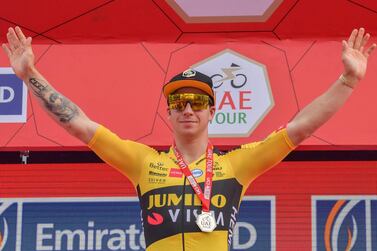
179, 101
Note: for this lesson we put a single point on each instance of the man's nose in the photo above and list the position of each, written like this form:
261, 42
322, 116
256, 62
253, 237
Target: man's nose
188, 109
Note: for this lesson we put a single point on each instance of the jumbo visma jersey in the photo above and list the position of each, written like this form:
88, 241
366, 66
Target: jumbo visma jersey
168, 203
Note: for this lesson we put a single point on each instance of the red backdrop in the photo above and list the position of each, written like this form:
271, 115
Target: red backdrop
106, 55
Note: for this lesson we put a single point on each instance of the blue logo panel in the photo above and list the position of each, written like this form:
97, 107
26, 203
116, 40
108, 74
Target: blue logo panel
13, 98
255, 229
344, 222
10, 94
8, 226
110, 224
82, 226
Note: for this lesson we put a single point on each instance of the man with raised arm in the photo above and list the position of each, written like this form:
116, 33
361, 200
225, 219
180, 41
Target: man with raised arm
184, 206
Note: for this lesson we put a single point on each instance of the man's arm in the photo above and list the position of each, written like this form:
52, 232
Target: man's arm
314, 115
61, 109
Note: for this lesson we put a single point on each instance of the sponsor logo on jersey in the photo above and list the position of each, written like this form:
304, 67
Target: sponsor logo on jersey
155, 219
344, 222
217, 167
177, 204
189, 199
196, 172
157, 174
175, 173
156, 181
158, 166
13, 97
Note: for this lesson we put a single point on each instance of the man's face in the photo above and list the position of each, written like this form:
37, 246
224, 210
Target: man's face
189, 122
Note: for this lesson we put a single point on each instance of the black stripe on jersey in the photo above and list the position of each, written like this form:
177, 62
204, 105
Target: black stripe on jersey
168, 211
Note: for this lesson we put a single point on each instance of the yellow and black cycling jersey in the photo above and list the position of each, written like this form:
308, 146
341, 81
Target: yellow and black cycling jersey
168, 203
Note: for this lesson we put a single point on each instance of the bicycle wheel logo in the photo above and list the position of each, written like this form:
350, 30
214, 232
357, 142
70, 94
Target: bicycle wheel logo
243, 95
236, 80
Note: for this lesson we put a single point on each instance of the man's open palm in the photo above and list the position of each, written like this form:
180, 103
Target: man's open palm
19, 51
355, 55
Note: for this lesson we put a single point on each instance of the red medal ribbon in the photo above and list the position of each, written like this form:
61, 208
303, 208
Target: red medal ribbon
206, 196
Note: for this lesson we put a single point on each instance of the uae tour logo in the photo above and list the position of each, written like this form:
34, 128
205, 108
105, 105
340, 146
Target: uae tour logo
243, 94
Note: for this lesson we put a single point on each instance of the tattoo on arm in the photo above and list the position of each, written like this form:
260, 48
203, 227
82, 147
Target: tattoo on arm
57, 104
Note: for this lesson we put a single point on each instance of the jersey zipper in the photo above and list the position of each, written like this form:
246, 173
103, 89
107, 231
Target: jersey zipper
183, 214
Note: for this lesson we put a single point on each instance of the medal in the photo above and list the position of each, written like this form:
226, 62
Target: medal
206, 222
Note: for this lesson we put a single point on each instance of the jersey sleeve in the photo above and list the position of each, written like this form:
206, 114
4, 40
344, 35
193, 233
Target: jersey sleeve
251, 160
125, 155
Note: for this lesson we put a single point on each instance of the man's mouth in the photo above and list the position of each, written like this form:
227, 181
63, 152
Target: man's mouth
187, 121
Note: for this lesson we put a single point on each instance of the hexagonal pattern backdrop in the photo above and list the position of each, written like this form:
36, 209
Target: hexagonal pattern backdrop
112, 57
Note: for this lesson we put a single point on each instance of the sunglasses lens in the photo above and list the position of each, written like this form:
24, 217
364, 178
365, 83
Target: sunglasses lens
197, 101
197, 106
177, 105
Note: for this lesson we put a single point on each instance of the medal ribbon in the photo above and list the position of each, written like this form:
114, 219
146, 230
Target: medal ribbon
204, 197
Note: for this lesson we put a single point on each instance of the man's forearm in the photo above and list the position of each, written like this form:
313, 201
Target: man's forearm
57, 106
61, 108
315, 114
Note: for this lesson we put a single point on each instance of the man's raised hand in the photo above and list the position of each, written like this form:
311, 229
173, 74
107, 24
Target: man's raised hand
355, 56
19, 52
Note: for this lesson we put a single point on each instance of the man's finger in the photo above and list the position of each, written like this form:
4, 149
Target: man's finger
10, 42
344, 45
20, 34
6, 50
369, 51
28, 41
13, 40
364, 42
359, 38
351, 39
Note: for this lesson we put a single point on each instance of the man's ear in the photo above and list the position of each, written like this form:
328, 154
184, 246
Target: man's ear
168, 111
212, 111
